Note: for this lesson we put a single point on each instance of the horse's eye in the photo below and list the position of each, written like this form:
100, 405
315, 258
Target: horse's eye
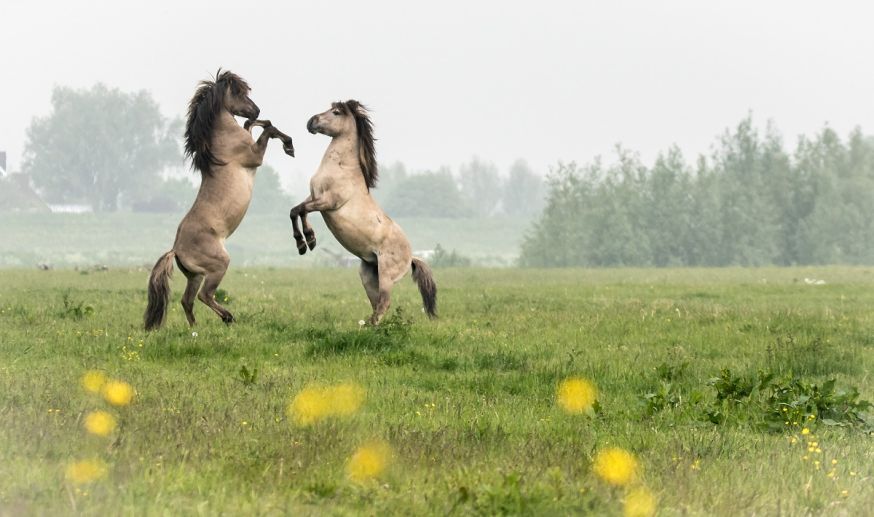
335, 112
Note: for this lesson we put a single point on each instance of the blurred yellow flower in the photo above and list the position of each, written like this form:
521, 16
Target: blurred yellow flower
86, 471
639, 502
615, 466
369, 461
100, 423
346, 398
805, 431
316, 403
118, 393
93, 380
576, 395
309, 406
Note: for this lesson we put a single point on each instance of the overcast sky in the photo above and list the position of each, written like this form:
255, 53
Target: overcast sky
542, 80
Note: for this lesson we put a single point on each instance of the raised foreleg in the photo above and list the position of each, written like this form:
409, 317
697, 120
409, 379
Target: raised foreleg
269, 131
310, 204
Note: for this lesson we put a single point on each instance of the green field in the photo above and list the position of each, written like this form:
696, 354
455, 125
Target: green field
467, 403
128, 239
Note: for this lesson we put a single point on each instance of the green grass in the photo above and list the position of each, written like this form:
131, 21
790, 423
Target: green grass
467, 402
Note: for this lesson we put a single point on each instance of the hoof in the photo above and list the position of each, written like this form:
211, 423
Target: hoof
301, 247
228, 318
289, 150
311, 243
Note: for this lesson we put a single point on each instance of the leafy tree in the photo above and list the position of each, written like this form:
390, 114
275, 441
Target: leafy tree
481, 186
389, 179
524, 191
429, 194
99, 146
171, 195
750, 203
268, 196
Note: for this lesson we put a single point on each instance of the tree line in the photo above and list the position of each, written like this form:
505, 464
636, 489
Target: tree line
750, 202
109, 149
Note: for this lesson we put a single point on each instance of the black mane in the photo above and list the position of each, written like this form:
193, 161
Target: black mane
203, 113
366, 149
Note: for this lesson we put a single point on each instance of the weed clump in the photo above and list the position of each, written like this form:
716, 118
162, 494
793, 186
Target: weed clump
777, 403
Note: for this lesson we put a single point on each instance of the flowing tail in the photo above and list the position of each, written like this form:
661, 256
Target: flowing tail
159, 291
427, 288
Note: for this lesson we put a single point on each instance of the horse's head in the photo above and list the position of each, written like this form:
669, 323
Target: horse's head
235, 94
228, 92
350, 117
337, 121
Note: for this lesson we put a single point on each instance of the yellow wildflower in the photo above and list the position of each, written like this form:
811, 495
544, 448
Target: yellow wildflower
86, 471
805, 431
346, 398
309, 406
314, 404
100, 423
615, 466
640, 502
576, 395
93, 380
118, 393
368, 462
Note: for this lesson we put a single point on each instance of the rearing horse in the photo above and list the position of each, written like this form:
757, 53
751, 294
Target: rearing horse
227, 157
340, 190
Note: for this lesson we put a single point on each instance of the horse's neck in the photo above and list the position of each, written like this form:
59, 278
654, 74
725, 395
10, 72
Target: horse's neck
341, 159
226, 125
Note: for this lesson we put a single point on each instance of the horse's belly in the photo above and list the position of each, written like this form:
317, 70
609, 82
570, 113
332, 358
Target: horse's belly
358, 237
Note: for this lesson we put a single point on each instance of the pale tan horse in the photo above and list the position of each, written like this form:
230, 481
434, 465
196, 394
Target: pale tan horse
340, 190
227, 157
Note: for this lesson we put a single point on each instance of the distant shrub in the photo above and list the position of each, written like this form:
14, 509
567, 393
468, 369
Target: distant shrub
443, 258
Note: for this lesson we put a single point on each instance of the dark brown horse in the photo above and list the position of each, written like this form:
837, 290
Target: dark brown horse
340, 190
227, 157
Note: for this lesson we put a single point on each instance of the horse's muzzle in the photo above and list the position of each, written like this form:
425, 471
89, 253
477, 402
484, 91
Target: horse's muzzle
311, 124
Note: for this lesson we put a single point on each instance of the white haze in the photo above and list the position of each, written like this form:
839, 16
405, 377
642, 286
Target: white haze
447, 80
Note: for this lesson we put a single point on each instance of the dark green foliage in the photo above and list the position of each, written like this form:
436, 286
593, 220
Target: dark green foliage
783, 403
222, 296
72, 309
795, 400
749, 203
392, 333
248, 377
663, 397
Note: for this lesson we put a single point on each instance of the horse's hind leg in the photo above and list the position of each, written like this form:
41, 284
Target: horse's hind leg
391, 267
370, 279
385, 283
194, 282
210, 284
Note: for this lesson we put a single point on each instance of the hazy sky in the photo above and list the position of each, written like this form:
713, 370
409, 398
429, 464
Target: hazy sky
543, 80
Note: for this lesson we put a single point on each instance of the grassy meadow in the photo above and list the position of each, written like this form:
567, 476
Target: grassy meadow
462, 410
